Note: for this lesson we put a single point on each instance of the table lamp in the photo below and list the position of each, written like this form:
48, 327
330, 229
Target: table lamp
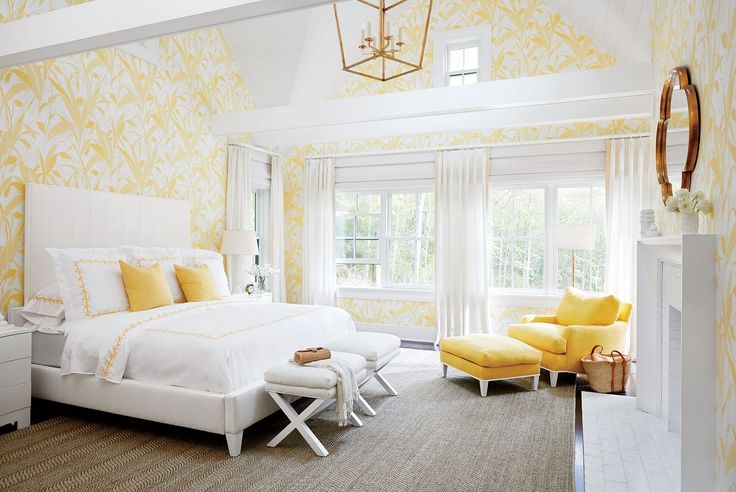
239, 243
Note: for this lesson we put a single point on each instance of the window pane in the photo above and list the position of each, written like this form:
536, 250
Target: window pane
456, 80
357, 275
518, 264
471, 59
470, 78
369, 203
367, 226
344, 226
582, 205
412, 215
517, 213
345, 202
366, 248
411, 262
456, 60
253, 211
344, 248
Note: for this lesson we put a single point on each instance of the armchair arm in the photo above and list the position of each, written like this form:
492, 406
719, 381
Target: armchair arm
581, 339
539, 318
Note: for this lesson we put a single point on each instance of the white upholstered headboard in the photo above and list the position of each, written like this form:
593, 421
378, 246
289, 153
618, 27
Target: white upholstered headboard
58, 217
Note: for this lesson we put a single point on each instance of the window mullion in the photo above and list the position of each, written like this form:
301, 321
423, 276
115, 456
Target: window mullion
550, 253
383, 234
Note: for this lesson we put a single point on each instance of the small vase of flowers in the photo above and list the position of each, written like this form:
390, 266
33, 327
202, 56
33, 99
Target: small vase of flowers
260, 274
688, 206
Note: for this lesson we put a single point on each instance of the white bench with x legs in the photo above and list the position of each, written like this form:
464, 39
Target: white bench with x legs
311, 382
378, 349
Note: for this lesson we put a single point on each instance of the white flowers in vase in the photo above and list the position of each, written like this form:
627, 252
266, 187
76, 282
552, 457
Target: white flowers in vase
688, 205
261, 273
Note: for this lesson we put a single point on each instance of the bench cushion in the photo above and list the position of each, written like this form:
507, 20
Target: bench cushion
372, 346
293, 375
492, 351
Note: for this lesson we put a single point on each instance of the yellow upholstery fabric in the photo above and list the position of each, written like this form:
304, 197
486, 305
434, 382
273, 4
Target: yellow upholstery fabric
492, 351
625, 312
544, 336
146, 287
539, 318
488, 373
578, 308
197, 283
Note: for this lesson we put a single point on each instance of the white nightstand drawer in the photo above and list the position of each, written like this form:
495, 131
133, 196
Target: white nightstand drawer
15, 397
15, 347
15, 372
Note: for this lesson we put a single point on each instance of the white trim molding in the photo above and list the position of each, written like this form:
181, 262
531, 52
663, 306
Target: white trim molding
383, 294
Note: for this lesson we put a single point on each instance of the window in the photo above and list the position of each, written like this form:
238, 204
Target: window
462, 64
259, 222
385, 239
520, 220
464, 56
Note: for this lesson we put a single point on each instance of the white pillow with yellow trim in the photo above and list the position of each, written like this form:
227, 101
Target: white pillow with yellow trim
90, 280
166, 258
45, 310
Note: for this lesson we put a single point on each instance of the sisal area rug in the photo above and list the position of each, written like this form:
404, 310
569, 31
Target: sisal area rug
437, 435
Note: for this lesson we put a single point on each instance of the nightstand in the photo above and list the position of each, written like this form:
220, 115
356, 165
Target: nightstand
262, 298
15, 376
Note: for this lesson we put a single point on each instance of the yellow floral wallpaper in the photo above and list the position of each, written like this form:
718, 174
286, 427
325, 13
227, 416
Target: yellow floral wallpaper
701, 34
526, 39
107, 120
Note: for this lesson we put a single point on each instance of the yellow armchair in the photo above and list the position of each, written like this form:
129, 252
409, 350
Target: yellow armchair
562, 345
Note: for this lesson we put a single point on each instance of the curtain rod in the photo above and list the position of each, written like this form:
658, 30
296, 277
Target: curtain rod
253, 147
483, 146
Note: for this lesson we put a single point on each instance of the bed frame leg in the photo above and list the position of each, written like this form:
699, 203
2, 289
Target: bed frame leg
234, 442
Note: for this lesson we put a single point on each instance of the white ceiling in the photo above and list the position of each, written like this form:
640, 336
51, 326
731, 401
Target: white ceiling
620, 27
294, 58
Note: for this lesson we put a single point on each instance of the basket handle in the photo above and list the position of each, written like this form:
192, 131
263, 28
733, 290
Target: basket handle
595, 347
613, 368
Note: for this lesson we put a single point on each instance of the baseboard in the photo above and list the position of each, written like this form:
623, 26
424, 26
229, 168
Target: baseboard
406, 333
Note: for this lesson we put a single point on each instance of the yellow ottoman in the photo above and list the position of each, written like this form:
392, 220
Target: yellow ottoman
490, 357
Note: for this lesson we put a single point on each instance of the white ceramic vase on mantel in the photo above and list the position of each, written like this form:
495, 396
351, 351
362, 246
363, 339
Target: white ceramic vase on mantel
689, 223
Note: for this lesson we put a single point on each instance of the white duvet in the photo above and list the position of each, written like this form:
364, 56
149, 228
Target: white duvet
217, 346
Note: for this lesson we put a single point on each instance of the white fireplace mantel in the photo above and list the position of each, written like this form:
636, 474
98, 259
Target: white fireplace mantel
679, 364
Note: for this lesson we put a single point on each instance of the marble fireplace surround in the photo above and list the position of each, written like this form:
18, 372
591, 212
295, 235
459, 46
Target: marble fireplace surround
676, 281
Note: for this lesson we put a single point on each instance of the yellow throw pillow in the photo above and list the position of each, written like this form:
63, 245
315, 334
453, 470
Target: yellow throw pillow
577, 308
146, 287
197, 283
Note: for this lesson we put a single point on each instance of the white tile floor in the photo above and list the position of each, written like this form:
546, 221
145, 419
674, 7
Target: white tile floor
626, 449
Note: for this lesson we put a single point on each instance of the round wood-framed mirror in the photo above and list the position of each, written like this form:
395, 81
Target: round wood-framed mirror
678, 79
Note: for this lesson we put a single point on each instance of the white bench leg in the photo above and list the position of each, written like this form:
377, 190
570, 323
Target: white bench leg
365, 406
483, 387
444, 370
234, 442
386, 385
297, 422
354, 420
535, 382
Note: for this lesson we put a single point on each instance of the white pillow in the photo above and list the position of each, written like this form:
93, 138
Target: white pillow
166, 257
213, 259
90, 280
46, 302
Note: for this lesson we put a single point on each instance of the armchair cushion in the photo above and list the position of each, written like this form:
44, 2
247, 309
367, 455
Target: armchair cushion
577, 308
544, 336
539, 318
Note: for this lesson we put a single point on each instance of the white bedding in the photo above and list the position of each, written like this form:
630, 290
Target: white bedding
217, 346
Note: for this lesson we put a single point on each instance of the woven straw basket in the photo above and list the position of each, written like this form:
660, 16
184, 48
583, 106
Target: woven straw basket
607, 373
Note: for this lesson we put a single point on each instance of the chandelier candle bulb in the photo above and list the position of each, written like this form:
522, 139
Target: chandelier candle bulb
401, 36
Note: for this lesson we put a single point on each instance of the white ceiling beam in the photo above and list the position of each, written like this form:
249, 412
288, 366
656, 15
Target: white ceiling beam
105, 23
623, 91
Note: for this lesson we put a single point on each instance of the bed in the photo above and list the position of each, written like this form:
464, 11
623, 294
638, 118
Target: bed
140, 364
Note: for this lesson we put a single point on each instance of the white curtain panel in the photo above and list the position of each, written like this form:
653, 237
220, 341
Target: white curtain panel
627, 176
276, 231
319, 232
461, 278
237, 211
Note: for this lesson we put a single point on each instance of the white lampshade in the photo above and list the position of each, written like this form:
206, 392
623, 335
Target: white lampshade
573, 236
235, 242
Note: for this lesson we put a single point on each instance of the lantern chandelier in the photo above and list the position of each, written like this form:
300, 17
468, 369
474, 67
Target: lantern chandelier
383, 44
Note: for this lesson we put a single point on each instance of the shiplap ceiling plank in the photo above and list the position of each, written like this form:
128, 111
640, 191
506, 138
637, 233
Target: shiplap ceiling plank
105, 23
